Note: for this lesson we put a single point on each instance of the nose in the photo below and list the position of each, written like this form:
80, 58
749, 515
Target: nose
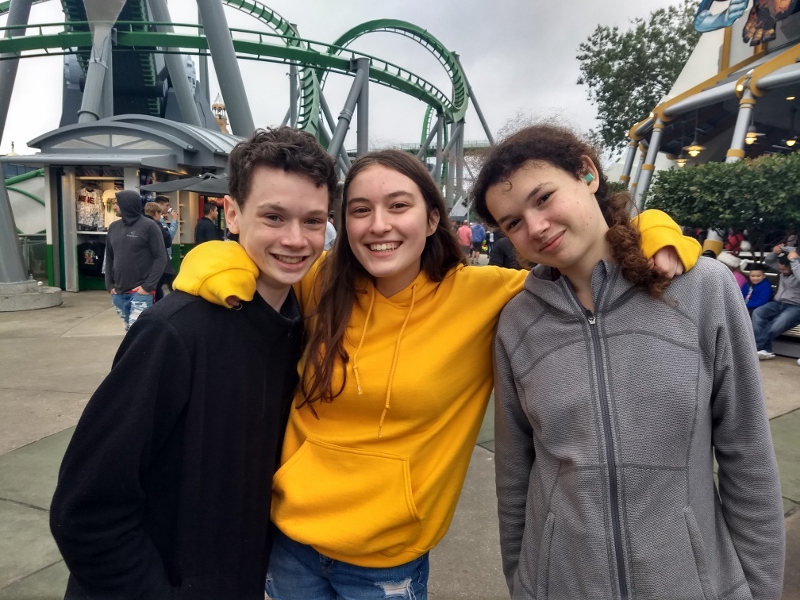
380, 222
536, 225
294, 236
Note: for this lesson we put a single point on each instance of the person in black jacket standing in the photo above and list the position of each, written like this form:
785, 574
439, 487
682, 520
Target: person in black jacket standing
206, 228
165, 488
135, 258
154, 211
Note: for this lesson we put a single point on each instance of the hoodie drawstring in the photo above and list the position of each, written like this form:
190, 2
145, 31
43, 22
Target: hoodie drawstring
394, 359
361, 341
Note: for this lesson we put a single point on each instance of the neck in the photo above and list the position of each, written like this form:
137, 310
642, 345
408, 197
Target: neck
580, 274
389, 286
274, 295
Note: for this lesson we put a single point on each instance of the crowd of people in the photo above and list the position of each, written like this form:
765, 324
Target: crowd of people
301, 423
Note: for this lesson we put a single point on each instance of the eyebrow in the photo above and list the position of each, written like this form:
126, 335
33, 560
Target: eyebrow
390, 196
532, 194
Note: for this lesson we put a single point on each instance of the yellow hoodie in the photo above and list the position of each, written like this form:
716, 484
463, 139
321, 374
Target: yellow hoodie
374, 481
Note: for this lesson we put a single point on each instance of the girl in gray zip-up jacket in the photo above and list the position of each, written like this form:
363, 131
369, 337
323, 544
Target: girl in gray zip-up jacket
614, 395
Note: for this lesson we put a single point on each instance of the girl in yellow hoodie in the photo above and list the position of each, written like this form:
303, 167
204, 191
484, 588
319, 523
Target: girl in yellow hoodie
395, 381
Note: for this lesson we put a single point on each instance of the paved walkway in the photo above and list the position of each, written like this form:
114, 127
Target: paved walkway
52, 360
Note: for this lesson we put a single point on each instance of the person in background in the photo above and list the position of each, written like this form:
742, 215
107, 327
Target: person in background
206, 229
153, 210
758, 290
330, 234
503, 253
783, 312
605, 451
165, 488
733, 263
135, 258
490, 237
478, 237
464, 234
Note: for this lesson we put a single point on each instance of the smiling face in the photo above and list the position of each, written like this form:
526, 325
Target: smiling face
552, 217
387, 225
756, 276
281, 226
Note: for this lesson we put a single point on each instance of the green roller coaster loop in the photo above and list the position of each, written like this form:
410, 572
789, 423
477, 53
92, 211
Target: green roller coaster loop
446, 58
61, 38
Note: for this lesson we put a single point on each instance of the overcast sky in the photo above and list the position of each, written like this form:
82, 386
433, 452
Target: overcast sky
519, 55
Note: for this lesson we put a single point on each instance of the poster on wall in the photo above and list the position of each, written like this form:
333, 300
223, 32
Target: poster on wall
760, 25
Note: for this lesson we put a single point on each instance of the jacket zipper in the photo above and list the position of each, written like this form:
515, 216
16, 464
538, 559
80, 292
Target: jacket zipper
610, 460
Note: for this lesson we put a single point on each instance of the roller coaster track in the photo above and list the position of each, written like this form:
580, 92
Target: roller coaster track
458, 106
302, 52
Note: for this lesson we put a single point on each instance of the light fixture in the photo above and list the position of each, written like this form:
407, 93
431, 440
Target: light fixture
791, 139
740, 88
790, 97
681, 160
752, 135
695, 148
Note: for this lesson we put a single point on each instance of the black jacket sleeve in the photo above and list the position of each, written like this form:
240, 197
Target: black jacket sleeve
99, 503
108, 264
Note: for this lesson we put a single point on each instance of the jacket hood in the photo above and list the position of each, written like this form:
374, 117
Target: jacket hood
130, 206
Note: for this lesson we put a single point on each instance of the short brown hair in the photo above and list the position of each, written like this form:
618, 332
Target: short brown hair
283, 148
563, 149
152, 208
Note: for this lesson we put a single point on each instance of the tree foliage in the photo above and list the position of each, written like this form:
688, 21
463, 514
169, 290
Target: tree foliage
628, 72
761, 195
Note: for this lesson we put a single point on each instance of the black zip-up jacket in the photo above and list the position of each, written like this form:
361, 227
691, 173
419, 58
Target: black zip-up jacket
165, 489
135, 253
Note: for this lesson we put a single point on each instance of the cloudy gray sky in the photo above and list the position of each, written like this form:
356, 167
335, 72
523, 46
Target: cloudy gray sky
519, 56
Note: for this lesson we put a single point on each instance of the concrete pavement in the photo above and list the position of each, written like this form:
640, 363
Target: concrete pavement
52, 360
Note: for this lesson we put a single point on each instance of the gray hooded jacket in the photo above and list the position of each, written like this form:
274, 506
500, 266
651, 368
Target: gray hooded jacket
135, 252
607, 426
788, 285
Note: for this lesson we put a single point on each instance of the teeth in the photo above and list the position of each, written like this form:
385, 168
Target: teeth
383, 247
292, 260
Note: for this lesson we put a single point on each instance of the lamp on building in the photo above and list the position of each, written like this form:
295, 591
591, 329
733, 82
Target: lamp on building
791, 139
681, 160
752, 135
695, 148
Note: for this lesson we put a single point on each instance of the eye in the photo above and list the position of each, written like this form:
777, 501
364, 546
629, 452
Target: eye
314, 222
544, 198
399, 205
512, 224
359, 210
273, 218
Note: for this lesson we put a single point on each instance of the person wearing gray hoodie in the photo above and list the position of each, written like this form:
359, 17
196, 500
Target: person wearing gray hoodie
135, 258
783, 311
615, 391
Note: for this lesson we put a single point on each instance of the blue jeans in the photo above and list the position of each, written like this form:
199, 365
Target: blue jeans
130, 305
298, 572
771, 320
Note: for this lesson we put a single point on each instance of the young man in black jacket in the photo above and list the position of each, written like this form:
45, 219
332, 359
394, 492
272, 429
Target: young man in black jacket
164, 491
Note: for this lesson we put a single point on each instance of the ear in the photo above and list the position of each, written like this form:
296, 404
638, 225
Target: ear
232, 214
589, 168
433, 222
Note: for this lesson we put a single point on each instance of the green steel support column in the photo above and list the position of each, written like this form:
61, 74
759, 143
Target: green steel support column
459, 152
337, 139
362, 122
437, 169
12, 267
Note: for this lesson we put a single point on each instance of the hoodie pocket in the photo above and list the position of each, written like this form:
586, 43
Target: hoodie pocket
346, 501
698, 549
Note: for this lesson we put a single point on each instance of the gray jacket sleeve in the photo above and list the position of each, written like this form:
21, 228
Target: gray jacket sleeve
514, 456
749, 486
108, 265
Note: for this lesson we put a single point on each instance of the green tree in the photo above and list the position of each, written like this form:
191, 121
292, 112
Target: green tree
627, 73
761, 195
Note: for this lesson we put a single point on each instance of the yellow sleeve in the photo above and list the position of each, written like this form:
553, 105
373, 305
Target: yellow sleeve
217, 271
659, 231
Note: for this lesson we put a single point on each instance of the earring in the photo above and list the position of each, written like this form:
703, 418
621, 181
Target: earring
589, 178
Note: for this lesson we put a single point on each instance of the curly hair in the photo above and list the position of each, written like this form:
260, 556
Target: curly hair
282, 148
340, 272
563, 149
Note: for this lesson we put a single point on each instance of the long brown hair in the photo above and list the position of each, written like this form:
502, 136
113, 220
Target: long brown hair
563, 149
340, 273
